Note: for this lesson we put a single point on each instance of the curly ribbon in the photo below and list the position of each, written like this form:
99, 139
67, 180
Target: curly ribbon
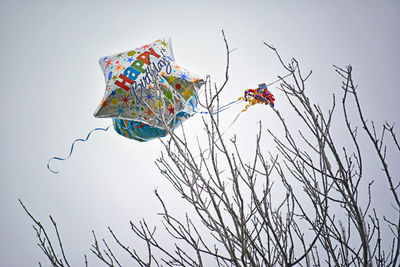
260, 95
72, 147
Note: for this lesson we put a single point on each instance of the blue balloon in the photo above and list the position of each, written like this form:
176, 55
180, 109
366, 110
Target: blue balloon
142, 132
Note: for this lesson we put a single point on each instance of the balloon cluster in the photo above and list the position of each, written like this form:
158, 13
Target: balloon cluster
261, 95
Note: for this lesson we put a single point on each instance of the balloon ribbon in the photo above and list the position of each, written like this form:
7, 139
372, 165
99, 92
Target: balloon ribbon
72, 147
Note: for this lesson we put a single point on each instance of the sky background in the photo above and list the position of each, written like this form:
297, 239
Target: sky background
52, 83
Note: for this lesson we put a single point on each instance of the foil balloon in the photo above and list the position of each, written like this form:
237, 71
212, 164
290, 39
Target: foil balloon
147, 93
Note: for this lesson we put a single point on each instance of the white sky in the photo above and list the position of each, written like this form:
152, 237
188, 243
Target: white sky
51, 85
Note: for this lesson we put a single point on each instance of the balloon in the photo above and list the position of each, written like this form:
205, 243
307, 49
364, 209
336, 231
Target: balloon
146, 91
256, 96
142, 132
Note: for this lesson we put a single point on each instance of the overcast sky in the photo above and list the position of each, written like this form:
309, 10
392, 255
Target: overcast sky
51, 84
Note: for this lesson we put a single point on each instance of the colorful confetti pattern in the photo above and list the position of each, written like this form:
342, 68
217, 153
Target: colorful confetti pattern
146, 87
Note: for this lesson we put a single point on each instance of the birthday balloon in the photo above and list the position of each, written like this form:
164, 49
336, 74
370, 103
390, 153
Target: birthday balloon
146, 91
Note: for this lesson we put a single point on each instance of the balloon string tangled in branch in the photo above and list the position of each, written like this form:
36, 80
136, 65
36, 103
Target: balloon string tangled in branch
261, 95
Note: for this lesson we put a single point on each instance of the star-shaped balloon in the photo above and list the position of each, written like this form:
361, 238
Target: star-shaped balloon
146, 86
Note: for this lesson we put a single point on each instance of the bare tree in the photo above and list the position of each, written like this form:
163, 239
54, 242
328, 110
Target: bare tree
327, 215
